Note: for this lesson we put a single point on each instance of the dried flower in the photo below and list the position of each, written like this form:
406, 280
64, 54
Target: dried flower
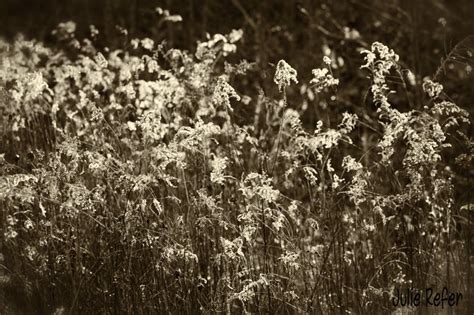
284, 75
433, 89
322, 79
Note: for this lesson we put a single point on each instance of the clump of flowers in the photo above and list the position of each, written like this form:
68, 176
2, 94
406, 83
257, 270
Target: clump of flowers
223, 92
218, 166
284, 75
323, 78
219, 44
433, 89
380, 60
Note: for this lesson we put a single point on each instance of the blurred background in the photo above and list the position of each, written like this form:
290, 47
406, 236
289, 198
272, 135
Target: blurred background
421, 31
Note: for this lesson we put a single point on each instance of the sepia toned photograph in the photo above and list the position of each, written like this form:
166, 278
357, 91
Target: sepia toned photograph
237, 157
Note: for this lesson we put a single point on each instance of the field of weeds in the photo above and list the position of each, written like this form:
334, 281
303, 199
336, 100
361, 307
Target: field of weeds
148, 179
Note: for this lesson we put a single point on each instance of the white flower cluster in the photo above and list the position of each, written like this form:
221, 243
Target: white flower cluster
348, 123
29, 87
292, 118
380, 59
433, 89
311, 175
284, 75
218, 166
290, 259
232, 249
358, 184
223, 92
322, 79
224, 44
249, 290
259, 185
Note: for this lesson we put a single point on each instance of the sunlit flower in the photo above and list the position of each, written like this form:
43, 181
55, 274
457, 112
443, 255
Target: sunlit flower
284, 75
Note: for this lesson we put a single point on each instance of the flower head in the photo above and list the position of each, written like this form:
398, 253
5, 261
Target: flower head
284, 75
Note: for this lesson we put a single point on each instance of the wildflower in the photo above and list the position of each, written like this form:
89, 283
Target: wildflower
387, 59
153, 66
232, 249
329, 167
131, 125
248, 291
11, 220
322, 79
279, 221
350, 164
380, 68
292, 209
248, 232
147, 43
284, 75
336, 181
96, 112
31, 252
359, 183
290, 259
370, 227
223, 92
218, 166
311, 175
135, 42
10, 233
260, 185
151, 126
433, 89
235, 35
369, 58
218, 43
327, 60
28, 224
292, 118
456, 114
268, 193
327, 140
30, 87
348, 123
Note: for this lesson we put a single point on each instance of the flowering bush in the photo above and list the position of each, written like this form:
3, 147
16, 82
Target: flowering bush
139, 189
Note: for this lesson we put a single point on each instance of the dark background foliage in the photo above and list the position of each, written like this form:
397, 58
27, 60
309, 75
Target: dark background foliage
274, 29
